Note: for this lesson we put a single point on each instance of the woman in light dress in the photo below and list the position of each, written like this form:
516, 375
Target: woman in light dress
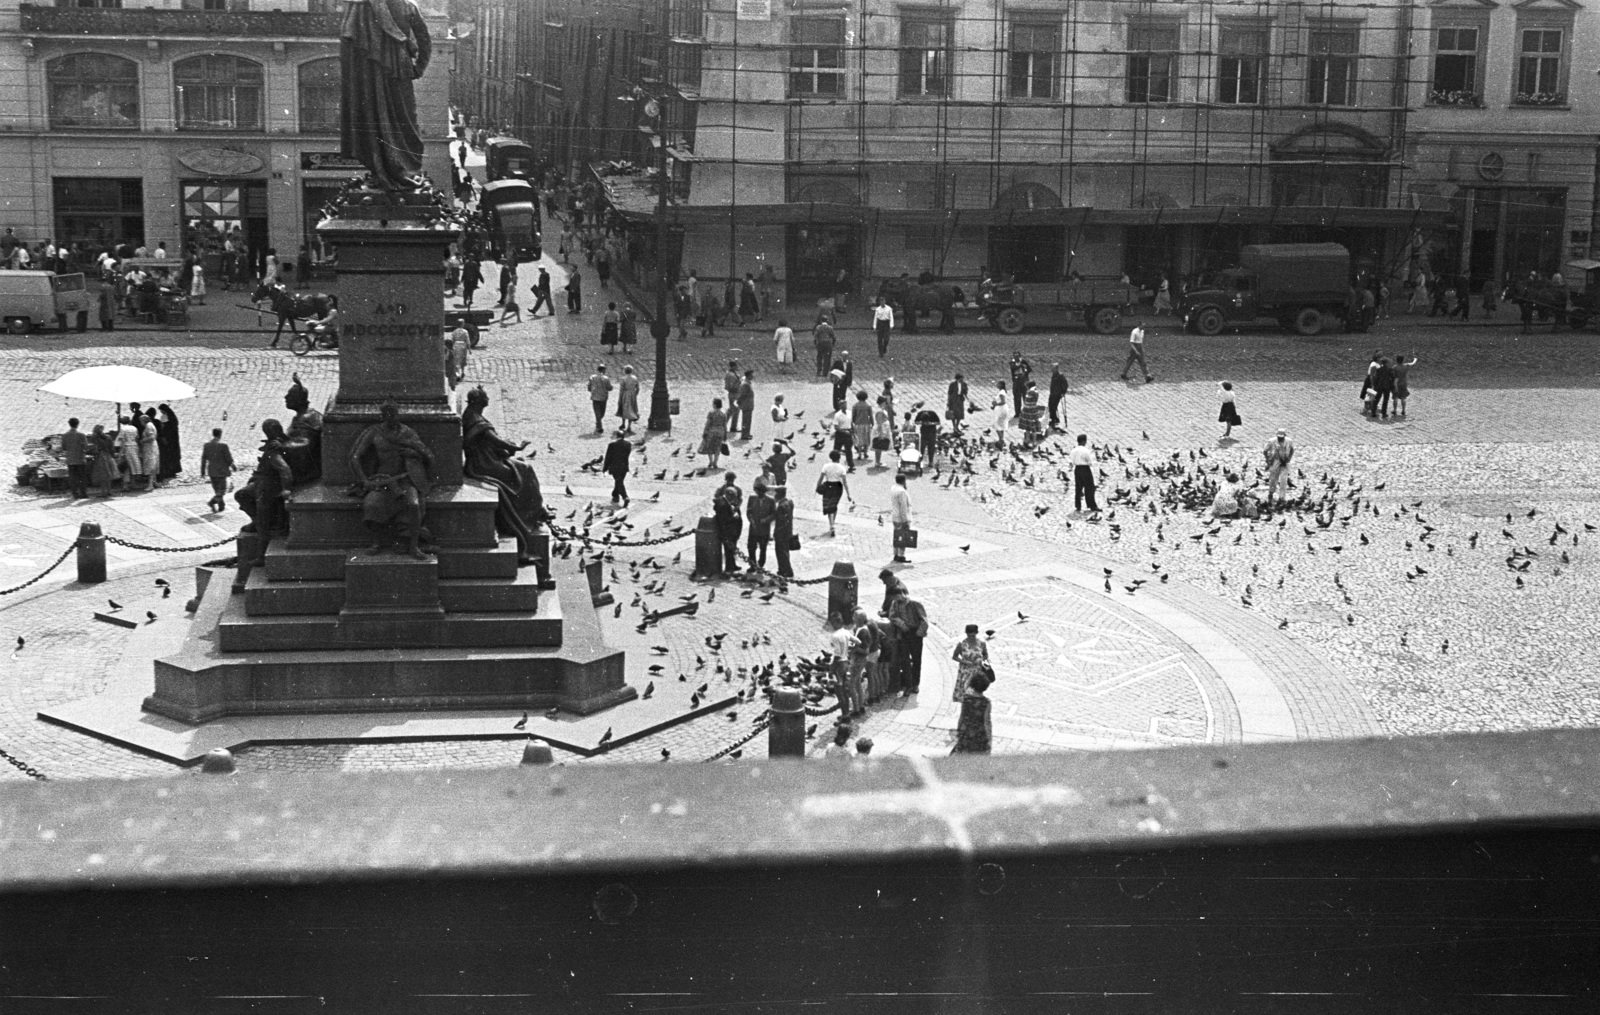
628, 399
783, 341
971, 655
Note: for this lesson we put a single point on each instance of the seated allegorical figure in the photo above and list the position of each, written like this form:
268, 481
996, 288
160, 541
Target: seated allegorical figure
392, 465
265, 497
303, 444
489, 458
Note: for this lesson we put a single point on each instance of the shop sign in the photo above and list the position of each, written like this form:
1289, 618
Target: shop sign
329, 160
753, 10
221, 161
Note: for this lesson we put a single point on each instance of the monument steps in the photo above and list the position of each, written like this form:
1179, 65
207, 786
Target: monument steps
286, 563
518, 593
458, 517
390, 626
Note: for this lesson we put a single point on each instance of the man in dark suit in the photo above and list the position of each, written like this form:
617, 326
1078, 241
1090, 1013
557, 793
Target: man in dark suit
615, 465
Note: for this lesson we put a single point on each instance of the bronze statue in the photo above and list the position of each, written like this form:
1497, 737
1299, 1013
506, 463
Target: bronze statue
395, 493
383, 47
303, 447
489, 458
265, 497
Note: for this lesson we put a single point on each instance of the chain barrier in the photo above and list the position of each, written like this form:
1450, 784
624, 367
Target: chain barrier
762, 723
814, 712
23, 767
571, 536
169, 549
18, 588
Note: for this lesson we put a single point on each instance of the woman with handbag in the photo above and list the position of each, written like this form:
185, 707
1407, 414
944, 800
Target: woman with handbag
713, 439
974, 731
831, 485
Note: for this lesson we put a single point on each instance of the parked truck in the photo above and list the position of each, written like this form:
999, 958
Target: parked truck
30, 299
1299, 285
1099, 303
512, 208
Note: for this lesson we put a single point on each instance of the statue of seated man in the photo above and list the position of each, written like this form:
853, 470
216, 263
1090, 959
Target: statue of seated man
391, 465
265, 497
489, 458
303, 447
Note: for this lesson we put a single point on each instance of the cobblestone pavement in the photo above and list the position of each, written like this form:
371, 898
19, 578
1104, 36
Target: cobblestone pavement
1499, 424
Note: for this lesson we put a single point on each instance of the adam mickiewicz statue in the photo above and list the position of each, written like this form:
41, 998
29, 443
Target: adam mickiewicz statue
383, 47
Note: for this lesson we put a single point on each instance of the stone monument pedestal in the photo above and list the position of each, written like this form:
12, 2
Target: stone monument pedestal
324, 626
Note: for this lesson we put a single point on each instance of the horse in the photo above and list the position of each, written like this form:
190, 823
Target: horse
911, 299
291, 307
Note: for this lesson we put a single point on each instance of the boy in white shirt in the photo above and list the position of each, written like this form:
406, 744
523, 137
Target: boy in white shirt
1002, 418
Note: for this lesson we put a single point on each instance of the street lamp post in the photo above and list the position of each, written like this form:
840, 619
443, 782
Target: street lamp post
660, 418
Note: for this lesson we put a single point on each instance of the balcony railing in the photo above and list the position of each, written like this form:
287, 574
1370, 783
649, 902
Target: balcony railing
79, 22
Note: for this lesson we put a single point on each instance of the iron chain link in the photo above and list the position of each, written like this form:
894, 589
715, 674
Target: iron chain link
762, 722
23, 766
18, 588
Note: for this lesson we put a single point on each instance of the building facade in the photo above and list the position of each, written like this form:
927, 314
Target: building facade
1105, 137
181, 121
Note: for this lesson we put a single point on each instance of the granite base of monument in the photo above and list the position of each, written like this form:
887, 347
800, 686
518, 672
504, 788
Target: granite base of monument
322, 625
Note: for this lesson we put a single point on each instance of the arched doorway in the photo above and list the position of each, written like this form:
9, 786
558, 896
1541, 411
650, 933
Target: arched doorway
818, 249
1027, 252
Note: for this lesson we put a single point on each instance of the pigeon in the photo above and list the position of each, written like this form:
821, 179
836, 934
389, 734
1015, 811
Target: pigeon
149, 616
737, 754
114, 604
569, 492
605, 738
966, 548
666, 755
21, 641
659, 650
1283, 625
163, 581
166, 591
1022, 618
649, 689
521, 723
553, 714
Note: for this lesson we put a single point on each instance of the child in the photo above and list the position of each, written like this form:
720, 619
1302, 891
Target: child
197, 286
1002, 416
510, 307
1229, 413
780, 415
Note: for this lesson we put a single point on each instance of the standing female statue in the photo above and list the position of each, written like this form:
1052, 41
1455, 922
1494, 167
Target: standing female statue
384, 47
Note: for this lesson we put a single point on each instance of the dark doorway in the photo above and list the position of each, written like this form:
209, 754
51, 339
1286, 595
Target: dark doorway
1028, 253
816, 253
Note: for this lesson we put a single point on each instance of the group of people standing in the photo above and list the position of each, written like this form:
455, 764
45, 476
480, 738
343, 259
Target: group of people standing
144, 450
874, 658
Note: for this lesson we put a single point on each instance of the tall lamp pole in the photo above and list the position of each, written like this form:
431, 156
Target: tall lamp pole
660, 419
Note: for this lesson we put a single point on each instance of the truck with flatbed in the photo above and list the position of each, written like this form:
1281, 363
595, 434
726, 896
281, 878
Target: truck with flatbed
1100, 304
1301, 286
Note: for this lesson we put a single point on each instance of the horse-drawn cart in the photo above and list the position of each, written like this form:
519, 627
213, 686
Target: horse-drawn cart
1100, 304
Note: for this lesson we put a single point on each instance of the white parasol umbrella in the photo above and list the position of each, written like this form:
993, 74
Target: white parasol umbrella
119, 384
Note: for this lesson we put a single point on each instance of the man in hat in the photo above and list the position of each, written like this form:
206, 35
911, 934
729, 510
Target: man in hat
1278, 453
615, 465
759, 512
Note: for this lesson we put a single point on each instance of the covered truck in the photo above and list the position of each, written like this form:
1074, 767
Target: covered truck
1299, 285
1099, 303
31, 299
512, 208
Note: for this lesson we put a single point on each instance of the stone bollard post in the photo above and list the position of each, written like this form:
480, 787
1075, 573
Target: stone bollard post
218, 761
598, 595
535, 753
842, 587
786, 734
707, 549
541, 551
91, 553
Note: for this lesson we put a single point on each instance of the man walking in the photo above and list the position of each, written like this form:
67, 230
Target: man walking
1021, 371
615, 465
471, 278
74, 447
508, 277
1082, 460
1058, 391
823, 337
882, 322
1279, 452
1136, 352
900, 516
599, 394
730, 384
725, 504
216, 464
541, 294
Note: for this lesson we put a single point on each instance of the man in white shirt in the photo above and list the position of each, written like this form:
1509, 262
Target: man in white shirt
900, 515
1136, 352
843, 439
882, 321
1279, 452
1082, 460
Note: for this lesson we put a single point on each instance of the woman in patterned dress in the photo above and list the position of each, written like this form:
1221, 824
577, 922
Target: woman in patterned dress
974, 730
715, 434
971, 656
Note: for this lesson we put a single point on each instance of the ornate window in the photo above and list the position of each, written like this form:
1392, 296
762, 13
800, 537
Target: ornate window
93, 90
925, 53
1331, 70
1031, 63
319, 96
1242, 64
816, 58
1541, 63
218, 93
1152, 61
1456, 66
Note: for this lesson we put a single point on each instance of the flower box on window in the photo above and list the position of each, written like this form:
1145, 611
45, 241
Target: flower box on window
1540, 99
1439, 97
